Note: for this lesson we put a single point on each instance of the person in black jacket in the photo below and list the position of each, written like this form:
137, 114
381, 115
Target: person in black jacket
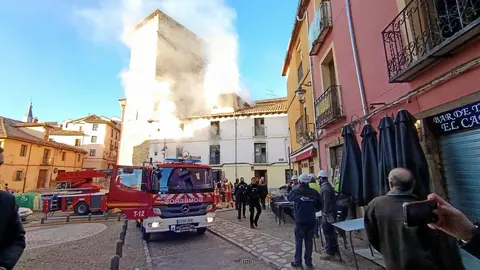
240, 197
329, 214
253, 197
263, 192
12, 234
306, 202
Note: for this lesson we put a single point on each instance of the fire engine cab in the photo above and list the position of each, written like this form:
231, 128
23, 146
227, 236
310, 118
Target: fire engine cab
184, 199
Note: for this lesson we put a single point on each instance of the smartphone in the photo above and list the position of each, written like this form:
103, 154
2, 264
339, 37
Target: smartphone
419, 213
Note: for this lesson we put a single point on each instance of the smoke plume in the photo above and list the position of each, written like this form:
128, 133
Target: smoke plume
164, 96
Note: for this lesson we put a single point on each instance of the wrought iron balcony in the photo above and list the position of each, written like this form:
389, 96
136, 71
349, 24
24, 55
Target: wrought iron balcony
214, 159
259, 131
301, 129
426, 30
328, 107
321, 25
260, 158
46, 161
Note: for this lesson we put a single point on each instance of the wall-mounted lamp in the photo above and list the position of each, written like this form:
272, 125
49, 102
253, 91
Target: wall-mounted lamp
300, 92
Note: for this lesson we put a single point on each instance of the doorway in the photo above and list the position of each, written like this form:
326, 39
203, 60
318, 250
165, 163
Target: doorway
42, 178
262, 173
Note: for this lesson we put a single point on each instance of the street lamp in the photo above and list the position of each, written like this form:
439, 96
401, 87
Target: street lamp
300, 93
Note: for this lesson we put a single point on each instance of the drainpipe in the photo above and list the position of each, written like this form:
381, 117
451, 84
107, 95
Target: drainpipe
313, 95
355, 58
235, 119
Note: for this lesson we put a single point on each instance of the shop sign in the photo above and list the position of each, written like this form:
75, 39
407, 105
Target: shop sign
465, 117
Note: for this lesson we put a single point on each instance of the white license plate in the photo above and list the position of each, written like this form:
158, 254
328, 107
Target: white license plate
184, 221
182, 228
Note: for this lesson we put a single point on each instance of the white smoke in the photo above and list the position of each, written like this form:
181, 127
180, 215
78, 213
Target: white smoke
211, 20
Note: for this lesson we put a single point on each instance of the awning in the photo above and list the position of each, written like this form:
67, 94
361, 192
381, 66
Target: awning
303, 153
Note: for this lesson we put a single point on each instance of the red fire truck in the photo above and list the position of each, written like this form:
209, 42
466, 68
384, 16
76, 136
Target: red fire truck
176, 195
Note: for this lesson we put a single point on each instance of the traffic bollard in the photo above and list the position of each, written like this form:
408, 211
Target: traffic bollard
68, 219
126, 223
105, 215
89, 216
124, 227
122, 236
42, 220
118, 217
119, 248
115, 263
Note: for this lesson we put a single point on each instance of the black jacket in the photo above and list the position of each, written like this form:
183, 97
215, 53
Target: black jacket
473, 247
12, 234
253, 193
263, 191
240, 190
304, 190
418, 248
329, 206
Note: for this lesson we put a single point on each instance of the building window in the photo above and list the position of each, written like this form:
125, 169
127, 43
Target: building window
288, 175
78, 142
214, 129
300, 59
93, 152
116, 135
111, 134
156, 153
23, 150
95, 127
79, 157
259, 127
214, 154
329, 76
260, 152
182, 126
94, 139
46, 157
179, 151
66, 125
18, 175
80, 128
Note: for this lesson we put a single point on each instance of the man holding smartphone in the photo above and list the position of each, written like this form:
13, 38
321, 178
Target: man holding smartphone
406, 248
12, 234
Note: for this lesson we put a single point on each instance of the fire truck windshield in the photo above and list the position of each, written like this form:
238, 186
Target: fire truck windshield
181, 180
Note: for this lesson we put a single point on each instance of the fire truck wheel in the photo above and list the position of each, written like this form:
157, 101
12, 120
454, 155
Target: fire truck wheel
201, 230
81, 209
145, 235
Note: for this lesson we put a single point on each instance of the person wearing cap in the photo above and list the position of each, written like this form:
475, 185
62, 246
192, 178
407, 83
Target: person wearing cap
293, 181
313, 182
306, 202
12, 233
327, 194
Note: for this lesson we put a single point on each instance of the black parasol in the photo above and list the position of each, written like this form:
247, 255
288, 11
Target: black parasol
409, 152
351, 168
387, 159
369, 164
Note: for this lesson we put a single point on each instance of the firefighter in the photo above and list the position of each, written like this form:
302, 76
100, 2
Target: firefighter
253, 197
240, 197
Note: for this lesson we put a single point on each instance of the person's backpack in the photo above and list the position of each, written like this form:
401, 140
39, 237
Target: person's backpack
304, 209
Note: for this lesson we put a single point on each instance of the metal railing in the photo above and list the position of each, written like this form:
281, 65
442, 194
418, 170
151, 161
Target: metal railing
214, 133
321, 24
46, 161
301, 128
214, 160
259, 159
328, 106
259, 131
425, 30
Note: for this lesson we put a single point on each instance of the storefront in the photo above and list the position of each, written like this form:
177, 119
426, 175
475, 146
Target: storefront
305, 160
458, 134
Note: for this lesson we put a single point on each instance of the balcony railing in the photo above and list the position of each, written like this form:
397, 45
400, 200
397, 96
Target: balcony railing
214, 133
260, 159
426, 30
321, 25
301, 128
259, 131
214, 159
328, 107
46, 161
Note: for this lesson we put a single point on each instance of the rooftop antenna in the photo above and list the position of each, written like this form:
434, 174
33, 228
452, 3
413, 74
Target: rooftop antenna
271, 93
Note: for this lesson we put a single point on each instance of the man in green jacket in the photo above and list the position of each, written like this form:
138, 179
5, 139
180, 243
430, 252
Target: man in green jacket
313, 182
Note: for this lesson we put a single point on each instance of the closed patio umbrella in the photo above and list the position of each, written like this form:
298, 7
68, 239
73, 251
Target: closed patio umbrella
351, 167
387, 159
369, 164
410, 154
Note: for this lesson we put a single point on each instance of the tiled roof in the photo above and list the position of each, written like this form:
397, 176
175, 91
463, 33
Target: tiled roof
266, 106
9, 129
61, 132
94, 119
23, 124
301, 8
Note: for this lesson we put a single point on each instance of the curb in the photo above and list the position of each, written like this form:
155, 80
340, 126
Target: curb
147, 255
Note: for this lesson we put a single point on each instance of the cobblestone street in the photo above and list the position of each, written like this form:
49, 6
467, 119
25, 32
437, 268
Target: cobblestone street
193, 251
81, 246
276, 243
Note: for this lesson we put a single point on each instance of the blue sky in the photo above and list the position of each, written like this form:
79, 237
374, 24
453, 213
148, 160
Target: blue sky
46, 58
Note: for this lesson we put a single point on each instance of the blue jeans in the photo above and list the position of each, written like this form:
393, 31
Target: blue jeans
304, 233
